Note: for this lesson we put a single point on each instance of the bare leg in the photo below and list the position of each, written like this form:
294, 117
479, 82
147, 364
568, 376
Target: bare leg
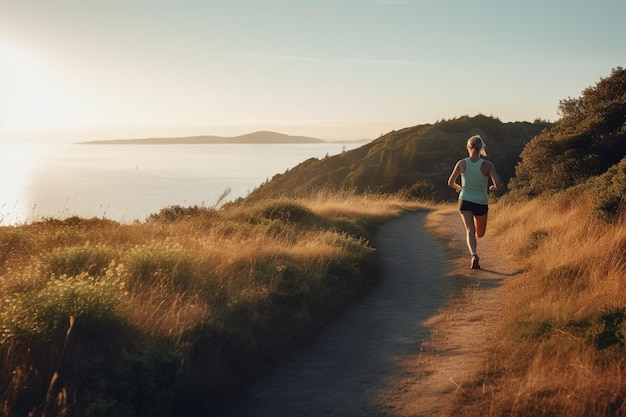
480, 222
470, 230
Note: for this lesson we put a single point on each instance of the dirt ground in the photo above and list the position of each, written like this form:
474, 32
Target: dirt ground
460, 332
408, 348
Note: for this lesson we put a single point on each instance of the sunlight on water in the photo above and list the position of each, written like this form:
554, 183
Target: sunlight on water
130, 182
17, 162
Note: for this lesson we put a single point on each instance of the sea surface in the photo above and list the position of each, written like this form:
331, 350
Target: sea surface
129, 182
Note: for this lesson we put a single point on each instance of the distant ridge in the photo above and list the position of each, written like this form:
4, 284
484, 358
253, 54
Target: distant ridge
417, 160
261, 137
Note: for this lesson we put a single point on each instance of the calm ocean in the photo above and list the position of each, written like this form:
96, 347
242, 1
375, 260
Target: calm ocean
130, 182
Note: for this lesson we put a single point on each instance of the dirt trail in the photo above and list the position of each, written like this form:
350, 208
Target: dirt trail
399, 352
460, 333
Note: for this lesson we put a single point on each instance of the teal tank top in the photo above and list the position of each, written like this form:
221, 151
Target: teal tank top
474, 183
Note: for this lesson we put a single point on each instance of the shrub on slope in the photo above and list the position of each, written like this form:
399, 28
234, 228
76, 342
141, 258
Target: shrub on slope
590, 138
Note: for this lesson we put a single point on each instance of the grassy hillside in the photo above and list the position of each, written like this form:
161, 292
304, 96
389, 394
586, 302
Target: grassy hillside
165, 318
561, 345
417, 160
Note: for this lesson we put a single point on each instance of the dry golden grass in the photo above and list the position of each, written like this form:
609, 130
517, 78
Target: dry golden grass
212, 294
562, 349
350, 205
190, 280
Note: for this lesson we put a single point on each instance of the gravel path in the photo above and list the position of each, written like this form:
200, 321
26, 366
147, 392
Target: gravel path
348, 367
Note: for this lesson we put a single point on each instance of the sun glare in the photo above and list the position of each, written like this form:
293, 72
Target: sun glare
34, 97
17, 161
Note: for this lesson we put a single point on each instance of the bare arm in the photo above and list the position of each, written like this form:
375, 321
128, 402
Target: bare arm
456, 173
497, 182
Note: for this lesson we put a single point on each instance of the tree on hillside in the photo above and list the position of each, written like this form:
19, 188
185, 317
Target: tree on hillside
391, 173
587, 141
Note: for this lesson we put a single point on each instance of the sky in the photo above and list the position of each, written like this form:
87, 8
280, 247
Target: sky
332, 69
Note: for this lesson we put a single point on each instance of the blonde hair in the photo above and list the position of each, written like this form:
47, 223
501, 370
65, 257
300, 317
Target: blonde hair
476, 142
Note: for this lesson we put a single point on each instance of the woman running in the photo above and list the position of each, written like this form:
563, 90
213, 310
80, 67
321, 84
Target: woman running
475, 173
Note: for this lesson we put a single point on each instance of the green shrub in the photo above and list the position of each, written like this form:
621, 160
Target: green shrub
176, 212
43, 315
608, 192
12, 240
613, 332
142, 382
92, 260
424, 190
287, 211
604, 331
15, 248
566, 278
164, 264
535, 239
534, 330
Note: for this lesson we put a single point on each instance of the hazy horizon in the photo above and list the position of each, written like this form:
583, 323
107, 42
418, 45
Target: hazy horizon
330, 134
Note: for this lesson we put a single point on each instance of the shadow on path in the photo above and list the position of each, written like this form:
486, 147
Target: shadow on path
504, 274
341, 373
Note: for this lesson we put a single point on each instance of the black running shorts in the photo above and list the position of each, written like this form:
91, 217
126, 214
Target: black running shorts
477, 209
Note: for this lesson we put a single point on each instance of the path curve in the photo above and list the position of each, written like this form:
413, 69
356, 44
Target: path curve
360, 354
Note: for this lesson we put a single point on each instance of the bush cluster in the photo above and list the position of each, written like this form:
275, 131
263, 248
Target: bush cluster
609, 190
588, 140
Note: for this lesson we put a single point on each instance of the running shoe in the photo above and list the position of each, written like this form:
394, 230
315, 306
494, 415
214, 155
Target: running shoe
475, 262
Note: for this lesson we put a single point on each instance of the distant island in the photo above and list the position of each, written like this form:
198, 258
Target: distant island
250, 138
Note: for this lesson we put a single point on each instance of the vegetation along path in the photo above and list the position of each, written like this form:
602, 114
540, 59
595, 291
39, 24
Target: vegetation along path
365, 351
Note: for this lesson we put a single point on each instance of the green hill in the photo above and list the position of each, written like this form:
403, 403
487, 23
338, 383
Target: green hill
417, 159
